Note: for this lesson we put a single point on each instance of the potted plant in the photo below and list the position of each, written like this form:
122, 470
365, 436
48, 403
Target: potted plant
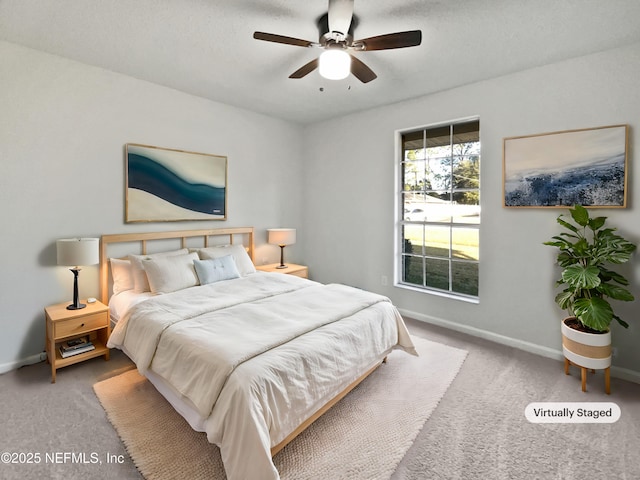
587, 249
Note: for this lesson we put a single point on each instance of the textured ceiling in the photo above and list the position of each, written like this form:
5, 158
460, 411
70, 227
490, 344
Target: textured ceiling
205, 47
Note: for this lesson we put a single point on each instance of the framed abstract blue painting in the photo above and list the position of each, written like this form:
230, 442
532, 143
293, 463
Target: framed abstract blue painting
166, 185
561, 169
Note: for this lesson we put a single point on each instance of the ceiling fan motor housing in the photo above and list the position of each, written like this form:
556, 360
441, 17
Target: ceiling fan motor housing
327, 37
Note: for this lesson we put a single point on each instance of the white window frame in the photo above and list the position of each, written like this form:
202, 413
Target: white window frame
400, 220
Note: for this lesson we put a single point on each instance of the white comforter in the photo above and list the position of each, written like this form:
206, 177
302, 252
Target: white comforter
258, 355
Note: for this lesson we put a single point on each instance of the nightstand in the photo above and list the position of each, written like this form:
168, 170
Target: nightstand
63, 325
292, 269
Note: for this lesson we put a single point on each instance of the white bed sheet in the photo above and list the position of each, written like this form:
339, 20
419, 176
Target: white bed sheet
265, 397
120, 303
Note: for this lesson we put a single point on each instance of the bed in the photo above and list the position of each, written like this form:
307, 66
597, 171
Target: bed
249, 357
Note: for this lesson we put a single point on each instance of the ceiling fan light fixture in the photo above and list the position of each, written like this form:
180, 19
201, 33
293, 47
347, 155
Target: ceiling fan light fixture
334, 64
336, 29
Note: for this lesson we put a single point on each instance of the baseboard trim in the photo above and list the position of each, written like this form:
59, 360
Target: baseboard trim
30, 360
618, 372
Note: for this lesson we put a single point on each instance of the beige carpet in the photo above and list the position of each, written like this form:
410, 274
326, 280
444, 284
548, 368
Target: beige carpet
364, 436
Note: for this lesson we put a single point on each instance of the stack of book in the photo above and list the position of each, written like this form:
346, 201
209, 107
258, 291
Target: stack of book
76, 346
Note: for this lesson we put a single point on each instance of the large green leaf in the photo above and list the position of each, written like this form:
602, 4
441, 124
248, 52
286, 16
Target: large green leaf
620, 254
597, 223
612, 247
566, 224
580, 215
559, 242
616, 292
594, 313
609, 275
581, 277
564, 299
566, 259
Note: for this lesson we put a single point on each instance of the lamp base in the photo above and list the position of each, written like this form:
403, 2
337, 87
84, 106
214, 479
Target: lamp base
282, 265
73, 306
76, 305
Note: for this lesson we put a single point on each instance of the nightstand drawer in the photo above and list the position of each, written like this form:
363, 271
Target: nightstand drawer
77, 326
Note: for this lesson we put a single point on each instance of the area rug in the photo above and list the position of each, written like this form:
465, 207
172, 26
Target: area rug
364, 436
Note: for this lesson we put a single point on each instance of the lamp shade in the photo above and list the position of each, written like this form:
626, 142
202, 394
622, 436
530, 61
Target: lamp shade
78, 251
334, 64
281, 236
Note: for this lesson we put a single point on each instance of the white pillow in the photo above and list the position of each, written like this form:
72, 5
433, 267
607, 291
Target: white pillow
170, 273
238, 252
216, 269
121, 275
140, 282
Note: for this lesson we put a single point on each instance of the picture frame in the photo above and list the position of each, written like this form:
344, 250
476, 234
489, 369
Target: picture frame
561, 169
167, 185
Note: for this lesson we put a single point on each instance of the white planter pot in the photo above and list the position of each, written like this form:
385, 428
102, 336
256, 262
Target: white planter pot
589, 350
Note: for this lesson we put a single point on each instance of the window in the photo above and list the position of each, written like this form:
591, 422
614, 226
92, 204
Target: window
439, 223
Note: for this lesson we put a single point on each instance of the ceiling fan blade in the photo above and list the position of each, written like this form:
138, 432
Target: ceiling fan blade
272, 37
361, 71
305, 69
411, 38
340, 15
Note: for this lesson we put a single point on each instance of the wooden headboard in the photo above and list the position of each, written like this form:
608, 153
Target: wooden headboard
142, 240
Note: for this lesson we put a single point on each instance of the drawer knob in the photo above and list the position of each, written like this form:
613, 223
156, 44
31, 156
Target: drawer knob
82, 324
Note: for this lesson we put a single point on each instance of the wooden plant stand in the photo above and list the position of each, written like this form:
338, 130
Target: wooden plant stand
583, 374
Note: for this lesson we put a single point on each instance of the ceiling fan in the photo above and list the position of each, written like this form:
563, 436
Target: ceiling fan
336, 38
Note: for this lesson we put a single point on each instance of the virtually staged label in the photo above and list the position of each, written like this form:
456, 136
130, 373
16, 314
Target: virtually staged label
572, 412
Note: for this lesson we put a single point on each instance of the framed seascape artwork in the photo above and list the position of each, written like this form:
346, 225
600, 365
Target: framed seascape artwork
562, 169
165, 185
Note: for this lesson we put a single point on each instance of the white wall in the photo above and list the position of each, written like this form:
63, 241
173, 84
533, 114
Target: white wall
349, 192
63, 127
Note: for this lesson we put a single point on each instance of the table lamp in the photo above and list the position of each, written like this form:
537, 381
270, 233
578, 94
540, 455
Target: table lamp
281, 237
77, 252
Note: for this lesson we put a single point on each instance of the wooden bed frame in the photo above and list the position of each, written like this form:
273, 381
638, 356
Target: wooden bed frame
143, 240
201, 239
